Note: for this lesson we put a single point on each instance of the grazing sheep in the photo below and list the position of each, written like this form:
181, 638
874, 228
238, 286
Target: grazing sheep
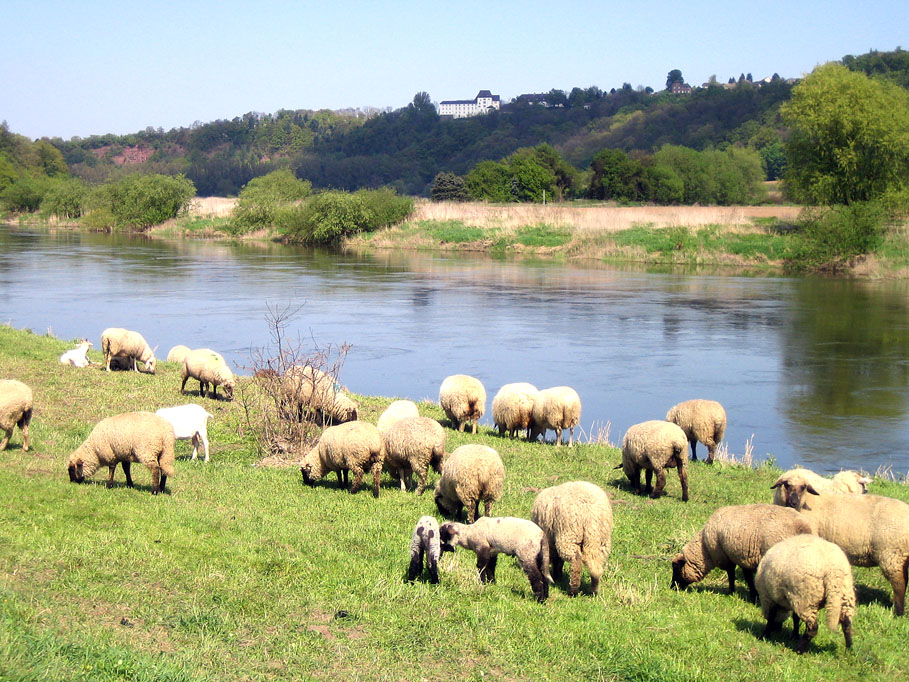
701, 420
735, 536
116, 341
791, 486
353, 446
412, 445
654, 446
208, 367
464, 400
555, 408
398, 410
512, 408
177, 353
851, 482
425, 542
16, 405
470, 474
871, 529
190, 422
577, 519
77, 356
489, 537
125, 438
306, 389
801, 574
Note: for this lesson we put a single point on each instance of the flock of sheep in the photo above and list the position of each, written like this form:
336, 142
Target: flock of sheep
795, 554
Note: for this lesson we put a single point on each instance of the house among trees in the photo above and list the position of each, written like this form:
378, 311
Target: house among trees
680, 88
483, 103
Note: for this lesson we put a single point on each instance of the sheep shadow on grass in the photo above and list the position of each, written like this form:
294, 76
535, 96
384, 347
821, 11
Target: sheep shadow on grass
785, 635
138, 487
873, 595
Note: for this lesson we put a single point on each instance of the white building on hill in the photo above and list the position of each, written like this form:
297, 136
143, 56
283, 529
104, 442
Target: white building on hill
483, 103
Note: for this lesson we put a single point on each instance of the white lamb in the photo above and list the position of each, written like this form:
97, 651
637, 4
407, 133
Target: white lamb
190, 422
77, 356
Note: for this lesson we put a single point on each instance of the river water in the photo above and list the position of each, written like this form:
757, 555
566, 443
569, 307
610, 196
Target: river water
816, 369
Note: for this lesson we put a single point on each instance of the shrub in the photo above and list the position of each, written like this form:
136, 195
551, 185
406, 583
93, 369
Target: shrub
139, 201
261, 199
833, 235
330, 216
385, 206
449, 187
23, 195
65, 199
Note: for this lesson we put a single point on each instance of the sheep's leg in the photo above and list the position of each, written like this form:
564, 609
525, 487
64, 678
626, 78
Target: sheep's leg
433, 570
156, 480
5, 441
461, 426
487, 506
570, 436
559, 439
694, 449
730, 575
476, 423
195, 442
773, 624
557, 563
595, 573
810, 632
483, 560
896, 575
473, 508
341, 479
163, 482
204, 437
683, 479
23, 427
182, 386
749, 578
376, 478
660, 484
796, 625
539, 586
421, 486
488, 570
574, 579
711, 448
648, 480
416, 565
635, 479
127, 471
358, 478
847, 632
110, 474
403, 484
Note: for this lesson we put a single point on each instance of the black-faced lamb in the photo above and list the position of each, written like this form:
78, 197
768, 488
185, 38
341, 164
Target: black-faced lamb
470, 475
463, 398
16, 407
190, 422
116, 341
77, 357
577, 520
491, 536
801, 574
208, 368
737, 535
555, 408
125, 438
425, 542
412, 446
309, 392
793, 485
395, 412
653, 446
350, 447
701, 420
512, 407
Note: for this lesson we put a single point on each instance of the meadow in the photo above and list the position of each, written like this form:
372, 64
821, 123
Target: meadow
241, 572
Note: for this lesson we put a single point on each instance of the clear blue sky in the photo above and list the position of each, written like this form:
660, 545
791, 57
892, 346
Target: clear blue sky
81, 68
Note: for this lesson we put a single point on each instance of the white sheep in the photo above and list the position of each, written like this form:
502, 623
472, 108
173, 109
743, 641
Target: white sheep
307, 390
801, 574
491, 536
350, 447
792, 485
471, 474
737, 535
701, 420
395, 412
77, 356
512, 407
463, 399
190, 422
555, 408
577, 519
177, 353
653, 446
208, 367
125, 438
413, 445
16, 407
425, 542
116, 341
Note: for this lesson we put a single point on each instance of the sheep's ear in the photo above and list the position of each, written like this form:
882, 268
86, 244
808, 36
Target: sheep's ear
811, 490
778, 483
678, 560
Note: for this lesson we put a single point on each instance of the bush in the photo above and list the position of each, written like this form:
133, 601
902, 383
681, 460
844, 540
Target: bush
65, 199
831, 236
261, 199
385, 206
139, 201
330, 216
24, 195
449, 187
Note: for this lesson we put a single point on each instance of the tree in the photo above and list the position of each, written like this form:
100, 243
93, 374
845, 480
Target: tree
614, 176
674, 76
448, 187
556, 98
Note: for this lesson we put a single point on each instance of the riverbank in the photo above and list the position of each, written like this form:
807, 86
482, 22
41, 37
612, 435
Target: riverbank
241, 572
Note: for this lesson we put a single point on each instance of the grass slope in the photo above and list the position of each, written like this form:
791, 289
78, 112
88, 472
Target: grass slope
240, 572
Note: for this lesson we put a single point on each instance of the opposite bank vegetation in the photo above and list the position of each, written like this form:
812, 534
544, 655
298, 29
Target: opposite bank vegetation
240, 571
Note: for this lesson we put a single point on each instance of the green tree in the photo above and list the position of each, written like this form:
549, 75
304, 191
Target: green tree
260, 199
50, 159
489, 181
449, 187
674, 76
65, 198
614, 176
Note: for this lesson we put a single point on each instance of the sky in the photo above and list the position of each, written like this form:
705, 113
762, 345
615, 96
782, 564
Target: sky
90, 68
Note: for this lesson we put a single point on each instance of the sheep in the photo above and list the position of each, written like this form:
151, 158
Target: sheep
118, 341
577, 519
353, 446
512, 408
412, 445
792, 485
871, 529
701, 420
425, 542
208, 367
177, 353
489, 537
464, 400
130, 437
77, 356
555, 408
306, 388
398, 410
470, 474
16, 406
190, 422
801, 574
733, 536
654, 446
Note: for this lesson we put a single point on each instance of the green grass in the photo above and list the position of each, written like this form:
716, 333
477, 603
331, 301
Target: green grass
240, 572
543, 235
711, 240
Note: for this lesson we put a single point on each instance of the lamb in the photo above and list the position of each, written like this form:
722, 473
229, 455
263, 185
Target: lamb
654, 446
512, 408
733, 536
353, 446
125, 438
16, 406
470, 474
190, 422
464, 400
116, 341
425, 542
793, 484
577, 519
555, 408
801, 574
208, 367
489, 537
309, 389
77, 356
398, 410
177, 353
701, 420
413, 445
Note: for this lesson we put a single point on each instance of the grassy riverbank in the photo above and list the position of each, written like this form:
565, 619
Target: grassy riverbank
240, 572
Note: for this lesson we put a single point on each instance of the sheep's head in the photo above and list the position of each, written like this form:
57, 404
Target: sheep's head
448, 536
446, 507
151, 364
793, 489
75, 470
683, 573
310, 466
852, 481
228, 387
